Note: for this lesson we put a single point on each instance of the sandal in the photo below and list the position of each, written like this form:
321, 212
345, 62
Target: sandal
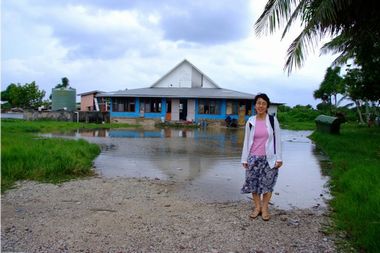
255, 213
265, 215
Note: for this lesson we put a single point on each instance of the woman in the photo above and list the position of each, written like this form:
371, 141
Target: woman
261, 156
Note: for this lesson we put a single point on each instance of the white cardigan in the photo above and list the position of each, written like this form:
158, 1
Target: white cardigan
269, 146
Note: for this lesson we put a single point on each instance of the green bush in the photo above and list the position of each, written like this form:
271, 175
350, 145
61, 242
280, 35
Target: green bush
298, 117
303, 117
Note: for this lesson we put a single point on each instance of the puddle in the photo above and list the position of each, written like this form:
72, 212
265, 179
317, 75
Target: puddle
205, 164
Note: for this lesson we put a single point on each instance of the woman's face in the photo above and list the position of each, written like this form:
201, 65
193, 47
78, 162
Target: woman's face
261, 106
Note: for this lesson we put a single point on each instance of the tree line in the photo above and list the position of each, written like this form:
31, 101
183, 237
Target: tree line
27, 96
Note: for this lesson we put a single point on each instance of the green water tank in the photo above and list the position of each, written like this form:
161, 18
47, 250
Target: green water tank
63, 99
328, 124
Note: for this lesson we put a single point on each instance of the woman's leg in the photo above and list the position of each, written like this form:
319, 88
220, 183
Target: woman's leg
257, 202
265, 208
269, 177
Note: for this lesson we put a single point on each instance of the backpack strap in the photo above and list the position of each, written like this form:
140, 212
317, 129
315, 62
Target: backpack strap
271, 119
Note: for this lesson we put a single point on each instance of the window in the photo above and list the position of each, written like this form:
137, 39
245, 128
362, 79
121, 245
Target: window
232, 107
104, 104
208, 106
152, 104
247, 104
123, 105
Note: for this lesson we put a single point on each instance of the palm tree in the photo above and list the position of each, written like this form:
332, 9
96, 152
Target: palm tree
332, 85
353, 25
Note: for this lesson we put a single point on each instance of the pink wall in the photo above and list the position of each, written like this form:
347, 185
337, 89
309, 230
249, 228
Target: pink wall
87, 101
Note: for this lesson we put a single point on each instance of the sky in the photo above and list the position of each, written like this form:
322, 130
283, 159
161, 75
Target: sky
114, 45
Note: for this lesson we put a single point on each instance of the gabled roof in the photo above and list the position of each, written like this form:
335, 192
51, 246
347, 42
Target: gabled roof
179, 64
179, 93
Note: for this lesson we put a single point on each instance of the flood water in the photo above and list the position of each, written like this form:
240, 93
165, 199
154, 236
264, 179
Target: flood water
205, 163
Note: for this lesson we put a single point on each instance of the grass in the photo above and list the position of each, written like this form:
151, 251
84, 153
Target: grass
45, 126
25, 155
355, 181
355, 172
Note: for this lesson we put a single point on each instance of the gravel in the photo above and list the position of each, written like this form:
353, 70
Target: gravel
144, 215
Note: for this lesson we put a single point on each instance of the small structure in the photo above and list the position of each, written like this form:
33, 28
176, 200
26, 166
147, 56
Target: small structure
183, 94
328, 124
63, 99
89, 102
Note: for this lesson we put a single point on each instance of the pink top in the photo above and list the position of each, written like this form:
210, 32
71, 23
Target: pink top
260, 138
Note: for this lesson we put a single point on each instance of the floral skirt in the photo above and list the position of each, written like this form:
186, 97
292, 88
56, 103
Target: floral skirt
259, 176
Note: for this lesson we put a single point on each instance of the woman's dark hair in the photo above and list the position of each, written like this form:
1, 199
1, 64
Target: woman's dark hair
263, 96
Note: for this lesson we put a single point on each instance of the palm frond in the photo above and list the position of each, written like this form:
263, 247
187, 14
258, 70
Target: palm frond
317, 25
336, 45
299, 49
340, 44
322, 11
343, 58
299, 10
319, 18
275, 13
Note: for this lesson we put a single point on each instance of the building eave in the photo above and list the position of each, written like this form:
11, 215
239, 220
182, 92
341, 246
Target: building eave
216, 93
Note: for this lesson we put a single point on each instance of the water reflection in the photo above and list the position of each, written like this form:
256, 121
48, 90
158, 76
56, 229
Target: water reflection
205, 164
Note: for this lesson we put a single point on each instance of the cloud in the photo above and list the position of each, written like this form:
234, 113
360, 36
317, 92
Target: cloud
197, 21
111, 29
207, 22
112, 45
93, 33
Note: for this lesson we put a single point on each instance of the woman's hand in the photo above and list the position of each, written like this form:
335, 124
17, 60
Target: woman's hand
278, 164
245, 165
